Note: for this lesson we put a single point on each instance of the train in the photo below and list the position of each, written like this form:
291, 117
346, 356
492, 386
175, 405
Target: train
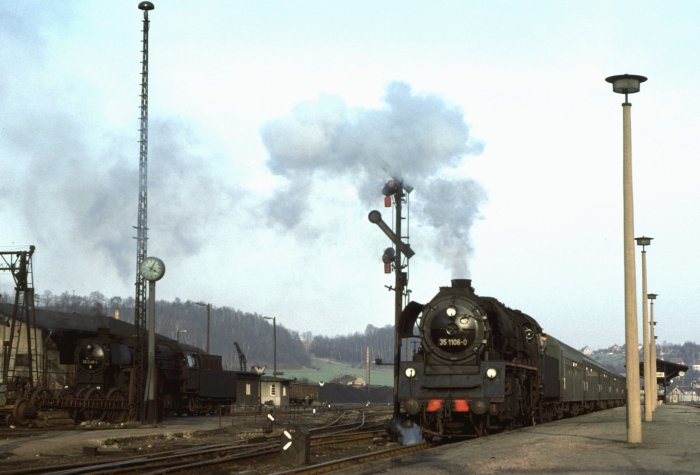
86, 365
482, 367
188, 380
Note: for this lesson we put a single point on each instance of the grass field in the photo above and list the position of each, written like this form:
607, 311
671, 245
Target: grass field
328, 370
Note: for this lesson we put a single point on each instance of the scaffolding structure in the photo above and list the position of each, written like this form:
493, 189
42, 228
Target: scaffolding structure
19, 332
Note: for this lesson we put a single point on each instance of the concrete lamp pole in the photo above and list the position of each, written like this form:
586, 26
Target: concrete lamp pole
629, 84
652, 351
648, 383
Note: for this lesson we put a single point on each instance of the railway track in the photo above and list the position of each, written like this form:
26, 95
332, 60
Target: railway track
260, 451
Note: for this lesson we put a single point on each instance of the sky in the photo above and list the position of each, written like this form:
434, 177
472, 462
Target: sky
273, 126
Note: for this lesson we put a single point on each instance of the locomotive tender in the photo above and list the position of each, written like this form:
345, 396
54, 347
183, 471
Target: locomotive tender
484, 367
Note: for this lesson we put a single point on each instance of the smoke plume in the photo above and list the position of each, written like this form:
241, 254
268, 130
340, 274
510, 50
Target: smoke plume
417, 139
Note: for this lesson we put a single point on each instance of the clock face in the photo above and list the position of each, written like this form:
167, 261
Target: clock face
152, 268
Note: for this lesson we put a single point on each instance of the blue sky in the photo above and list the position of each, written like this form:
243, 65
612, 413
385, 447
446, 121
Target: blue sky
265, 121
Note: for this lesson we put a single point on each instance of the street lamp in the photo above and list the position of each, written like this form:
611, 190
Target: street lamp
208, 305
274, 344
652, 349
178, 334
629, 84
644, 242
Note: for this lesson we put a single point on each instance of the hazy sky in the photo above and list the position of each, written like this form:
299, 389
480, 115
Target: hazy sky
274, 125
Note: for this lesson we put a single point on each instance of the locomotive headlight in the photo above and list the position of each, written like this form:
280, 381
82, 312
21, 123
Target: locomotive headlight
410, 373
451, 311
491, 373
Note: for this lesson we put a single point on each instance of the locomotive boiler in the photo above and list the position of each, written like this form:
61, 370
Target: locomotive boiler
483, 367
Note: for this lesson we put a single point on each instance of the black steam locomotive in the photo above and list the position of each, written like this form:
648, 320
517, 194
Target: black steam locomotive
86, 370
483, 367
187, 379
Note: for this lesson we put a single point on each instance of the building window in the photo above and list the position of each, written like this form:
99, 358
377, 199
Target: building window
272, 390
247, 389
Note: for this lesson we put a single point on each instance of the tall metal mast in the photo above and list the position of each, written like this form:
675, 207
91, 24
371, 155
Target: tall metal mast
19, 263
136, 401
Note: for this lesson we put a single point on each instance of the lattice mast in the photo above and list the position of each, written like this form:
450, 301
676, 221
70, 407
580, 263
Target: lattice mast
19, 263
137, 394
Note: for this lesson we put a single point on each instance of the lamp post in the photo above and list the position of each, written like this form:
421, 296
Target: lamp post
208, 305
178, 334
652, 350
274, 344
644, 242
629, 84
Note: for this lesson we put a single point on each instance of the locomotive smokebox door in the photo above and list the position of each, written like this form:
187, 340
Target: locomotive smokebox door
295, 446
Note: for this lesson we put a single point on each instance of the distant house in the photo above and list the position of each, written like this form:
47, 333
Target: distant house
678, 395
274, 391
588, 351
350, 380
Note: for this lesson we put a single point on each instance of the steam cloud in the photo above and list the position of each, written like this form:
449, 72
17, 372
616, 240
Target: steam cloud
417, 139
87, 199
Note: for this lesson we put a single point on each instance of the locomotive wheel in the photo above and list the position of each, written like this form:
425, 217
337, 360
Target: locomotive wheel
39, 397
23, 411
116, 395
77, 414
63, 396
89, 414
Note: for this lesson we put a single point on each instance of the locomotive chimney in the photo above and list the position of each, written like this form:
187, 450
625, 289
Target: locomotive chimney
462, 284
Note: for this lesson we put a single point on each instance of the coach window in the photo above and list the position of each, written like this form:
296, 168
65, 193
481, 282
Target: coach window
272, 389
192, 360
247, 389
284, 391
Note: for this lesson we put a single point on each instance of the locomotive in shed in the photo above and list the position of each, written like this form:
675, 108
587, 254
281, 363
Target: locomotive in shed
483, 367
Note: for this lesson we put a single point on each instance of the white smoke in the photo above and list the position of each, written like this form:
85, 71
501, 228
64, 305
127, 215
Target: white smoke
415, 138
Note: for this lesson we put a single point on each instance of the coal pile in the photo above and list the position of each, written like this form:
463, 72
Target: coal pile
342, 393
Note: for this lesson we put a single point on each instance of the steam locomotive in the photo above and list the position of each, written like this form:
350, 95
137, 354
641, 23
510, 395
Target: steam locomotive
86, 369
483, 367
187, 379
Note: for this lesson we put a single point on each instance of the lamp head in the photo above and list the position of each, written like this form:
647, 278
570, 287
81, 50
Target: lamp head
643, 241
652, 296
626, 83
146, 6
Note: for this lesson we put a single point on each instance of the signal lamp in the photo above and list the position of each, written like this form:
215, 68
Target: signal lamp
390, 188
387, 258
389, 255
